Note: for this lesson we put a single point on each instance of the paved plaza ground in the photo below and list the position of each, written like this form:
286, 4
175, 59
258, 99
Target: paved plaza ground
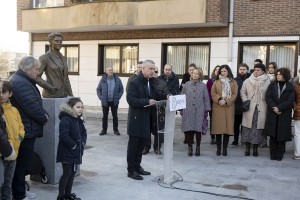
104, 175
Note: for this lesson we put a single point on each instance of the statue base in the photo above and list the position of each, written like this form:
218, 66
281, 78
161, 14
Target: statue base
46, 147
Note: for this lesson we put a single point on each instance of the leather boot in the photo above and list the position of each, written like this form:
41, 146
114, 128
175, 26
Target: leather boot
197, 152
218, 139
247, 151
225, 144
255, 153
190, 151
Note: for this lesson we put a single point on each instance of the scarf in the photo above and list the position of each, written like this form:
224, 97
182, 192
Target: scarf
258, 85
226, 89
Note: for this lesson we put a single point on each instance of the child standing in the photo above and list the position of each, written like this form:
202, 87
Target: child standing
72, 138
15, 133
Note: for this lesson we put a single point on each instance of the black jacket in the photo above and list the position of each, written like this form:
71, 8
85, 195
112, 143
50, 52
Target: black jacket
172, 83
186, 77
72, 133
238, 101
138, 123
5, 147
279, 126
27, 99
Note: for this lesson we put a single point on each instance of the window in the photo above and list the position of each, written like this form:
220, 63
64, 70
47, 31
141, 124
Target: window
71, 52
181, 55
47, 3
123, 58
284, 54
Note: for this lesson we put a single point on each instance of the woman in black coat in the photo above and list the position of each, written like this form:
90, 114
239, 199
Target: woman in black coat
280, 98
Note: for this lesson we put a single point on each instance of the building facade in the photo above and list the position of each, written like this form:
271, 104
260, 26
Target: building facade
120, 33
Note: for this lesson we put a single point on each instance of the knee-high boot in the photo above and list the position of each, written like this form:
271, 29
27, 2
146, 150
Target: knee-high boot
219, 140
247, 151
190, 137
198, 139
225, 144
255, 153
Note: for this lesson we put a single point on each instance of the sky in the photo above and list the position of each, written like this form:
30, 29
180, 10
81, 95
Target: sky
11, 40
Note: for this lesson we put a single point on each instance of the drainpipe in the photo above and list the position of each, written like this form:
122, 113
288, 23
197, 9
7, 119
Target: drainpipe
30, 44
230, 37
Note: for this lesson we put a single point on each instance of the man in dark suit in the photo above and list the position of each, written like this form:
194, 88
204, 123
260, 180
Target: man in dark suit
139, 97
54, 64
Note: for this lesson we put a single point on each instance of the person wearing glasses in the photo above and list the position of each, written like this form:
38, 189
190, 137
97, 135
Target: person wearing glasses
161, 93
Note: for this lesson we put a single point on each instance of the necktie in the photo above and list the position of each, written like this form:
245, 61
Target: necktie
148, 86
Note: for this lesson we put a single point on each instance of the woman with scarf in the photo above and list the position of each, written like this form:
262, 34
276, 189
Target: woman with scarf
223, 93
280, 99
254, 89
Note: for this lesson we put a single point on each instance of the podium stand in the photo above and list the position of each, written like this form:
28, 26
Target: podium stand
46, 146
171, 105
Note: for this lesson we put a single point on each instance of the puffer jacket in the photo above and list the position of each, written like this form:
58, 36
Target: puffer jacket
27, 99
72, 137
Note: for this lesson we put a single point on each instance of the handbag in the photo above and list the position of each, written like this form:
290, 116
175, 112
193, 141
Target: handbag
246, 105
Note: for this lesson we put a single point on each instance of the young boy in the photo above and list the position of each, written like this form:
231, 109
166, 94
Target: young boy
15, 132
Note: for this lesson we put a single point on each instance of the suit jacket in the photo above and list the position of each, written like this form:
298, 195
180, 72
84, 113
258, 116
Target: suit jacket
57, 84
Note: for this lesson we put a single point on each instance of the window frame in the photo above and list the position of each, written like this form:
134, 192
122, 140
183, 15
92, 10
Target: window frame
47, 48
187, 44
241, 44
101, 70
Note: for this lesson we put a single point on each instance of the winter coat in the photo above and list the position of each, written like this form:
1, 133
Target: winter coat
209, 85
27, 99
297, 101
185, 78
57, 84
5, 148
238, 102
72, 137
284, 103
248, 92
133, 76
14, 125
138, 123
197, 103
102, 90
172, 83
223, 116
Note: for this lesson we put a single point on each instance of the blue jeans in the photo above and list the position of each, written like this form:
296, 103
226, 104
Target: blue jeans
7, 169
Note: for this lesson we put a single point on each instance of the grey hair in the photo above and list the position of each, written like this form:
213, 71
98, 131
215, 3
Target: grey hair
28, 62
148, 62
52, 35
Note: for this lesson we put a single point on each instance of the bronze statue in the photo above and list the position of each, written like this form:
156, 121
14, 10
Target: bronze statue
54, 64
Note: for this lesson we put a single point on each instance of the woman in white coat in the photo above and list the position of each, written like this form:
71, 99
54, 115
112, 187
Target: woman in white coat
254, 89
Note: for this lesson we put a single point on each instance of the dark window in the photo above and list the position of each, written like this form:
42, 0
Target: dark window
284, 54
183, 54
122, 57
71, 52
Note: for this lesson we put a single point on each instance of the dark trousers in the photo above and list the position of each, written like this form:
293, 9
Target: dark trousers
210, 122
114, 112
237, 124
158, 140
24, 157
66, 180
277, 148
135, 152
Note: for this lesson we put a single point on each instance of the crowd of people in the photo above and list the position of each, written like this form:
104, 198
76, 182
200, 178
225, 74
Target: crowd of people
252, 107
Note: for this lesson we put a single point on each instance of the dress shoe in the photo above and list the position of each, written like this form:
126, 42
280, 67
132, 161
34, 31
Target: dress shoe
116, 132
145, 151
157, 151
72, 197
134, 175
102, 132
141, 171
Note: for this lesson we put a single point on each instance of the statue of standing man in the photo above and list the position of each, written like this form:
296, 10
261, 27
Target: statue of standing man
54, 64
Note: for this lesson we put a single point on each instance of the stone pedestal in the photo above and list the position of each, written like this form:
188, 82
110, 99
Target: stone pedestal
46, 146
